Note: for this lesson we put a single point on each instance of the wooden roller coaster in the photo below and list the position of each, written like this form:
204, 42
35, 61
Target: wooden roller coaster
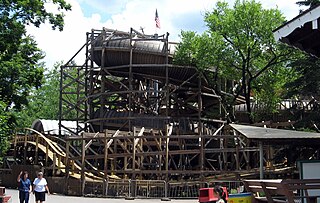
140, 117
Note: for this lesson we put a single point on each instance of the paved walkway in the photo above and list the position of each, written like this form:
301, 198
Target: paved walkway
71, 199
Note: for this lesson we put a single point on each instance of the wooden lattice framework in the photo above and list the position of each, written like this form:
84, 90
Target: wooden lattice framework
149, 121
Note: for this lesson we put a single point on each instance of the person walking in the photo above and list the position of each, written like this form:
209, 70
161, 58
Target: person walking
40, 188
221, 194
24, 187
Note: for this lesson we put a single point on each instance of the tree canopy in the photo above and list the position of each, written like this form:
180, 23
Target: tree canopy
21, 70
43, 103
239, 43
19, 54
310, 3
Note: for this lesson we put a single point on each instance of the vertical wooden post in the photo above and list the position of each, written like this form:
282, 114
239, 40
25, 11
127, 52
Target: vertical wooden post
133, 178
47, 154
134, 154
248, 156
37, 149
59, 164
126, 161
237, 154
72, 166
102, 97
83, 154
167, 153
15, 147
261, 159
105, 183
160, 156
200, 130
130, 78
54, 164
25, 148
67, 167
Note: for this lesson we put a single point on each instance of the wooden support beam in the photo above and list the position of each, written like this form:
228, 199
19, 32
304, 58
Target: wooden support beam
37, 150
66, 186
105, 168
83, 156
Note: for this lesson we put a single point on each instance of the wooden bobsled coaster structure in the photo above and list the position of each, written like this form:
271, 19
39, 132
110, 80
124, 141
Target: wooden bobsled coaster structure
139, 116
133, 123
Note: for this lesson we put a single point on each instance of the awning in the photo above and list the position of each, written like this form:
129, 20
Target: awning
273, 135
302, 31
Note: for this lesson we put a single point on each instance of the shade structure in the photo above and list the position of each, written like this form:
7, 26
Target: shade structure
302, 31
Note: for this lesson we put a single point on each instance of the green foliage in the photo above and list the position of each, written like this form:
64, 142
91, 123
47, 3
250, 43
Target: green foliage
239, 43
269, 89
307, 85
19, 55
44, 101
21, 72
186, 51
5, 129
33, 12
310, 3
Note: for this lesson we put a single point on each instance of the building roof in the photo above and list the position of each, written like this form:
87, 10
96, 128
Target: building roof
302, 31
273, 135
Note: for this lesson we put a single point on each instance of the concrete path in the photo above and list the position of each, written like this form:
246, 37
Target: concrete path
69, 199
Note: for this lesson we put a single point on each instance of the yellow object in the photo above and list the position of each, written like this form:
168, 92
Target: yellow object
240, 198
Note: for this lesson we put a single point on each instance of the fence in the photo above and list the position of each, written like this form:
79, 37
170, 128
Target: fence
149, 188
124, 188
154, 188
185, 189
118, 188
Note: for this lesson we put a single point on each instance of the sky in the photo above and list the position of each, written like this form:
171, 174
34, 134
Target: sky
175, 15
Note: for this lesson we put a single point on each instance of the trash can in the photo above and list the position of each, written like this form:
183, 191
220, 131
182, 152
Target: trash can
240, 198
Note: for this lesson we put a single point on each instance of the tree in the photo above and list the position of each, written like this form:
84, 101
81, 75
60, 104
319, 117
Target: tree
5, 129
19, 55
21, 70
310, 3
239, 42
307, 85
43, 103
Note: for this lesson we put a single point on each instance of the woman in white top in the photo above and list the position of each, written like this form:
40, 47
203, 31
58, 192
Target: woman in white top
40, 188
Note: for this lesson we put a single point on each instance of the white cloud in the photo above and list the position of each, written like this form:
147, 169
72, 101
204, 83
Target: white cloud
175, 15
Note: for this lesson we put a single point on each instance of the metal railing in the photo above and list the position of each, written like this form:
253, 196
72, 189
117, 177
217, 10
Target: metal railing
118, 188
185, 189
155, 188
149, 188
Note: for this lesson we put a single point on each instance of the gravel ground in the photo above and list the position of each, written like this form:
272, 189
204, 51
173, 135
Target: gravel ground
69, 199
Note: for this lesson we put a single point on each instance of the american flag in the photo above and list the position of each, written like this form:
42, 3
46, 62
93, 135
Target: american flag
157, 20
